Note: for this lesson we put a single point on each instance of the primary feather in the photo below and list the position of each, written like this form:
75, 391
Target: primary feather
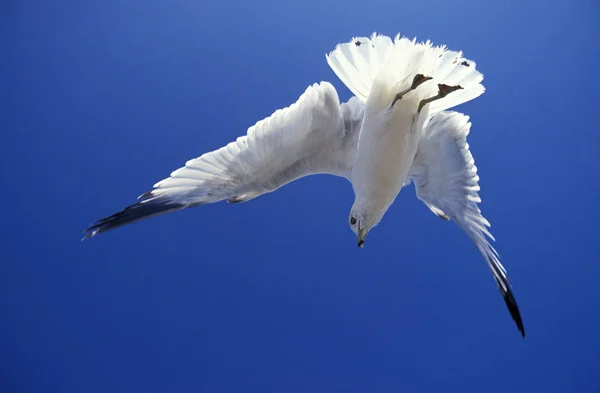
315, 135
446, 180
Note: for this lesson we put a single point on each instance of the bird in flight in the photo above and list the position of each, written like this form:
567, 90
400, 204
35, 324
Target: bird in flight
395, 130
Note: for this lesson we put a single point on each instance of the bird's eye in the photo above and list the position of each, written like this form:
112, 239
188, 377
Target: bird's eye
352, 221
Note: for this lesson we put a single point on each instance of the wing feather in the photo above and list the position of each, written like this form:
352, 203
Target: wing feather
446, 180
314, 135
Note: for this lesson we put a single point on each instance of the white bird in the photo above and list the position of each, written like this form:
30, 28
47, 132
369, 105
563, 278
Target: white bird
393, 131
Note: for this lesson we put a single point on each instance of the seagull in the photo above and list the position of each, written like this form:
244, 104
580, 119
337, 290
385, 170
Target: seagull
396, 129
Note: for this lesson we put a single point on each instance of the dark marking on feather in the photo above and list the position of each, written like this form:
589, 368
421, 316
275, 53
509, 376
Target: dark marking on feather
357, 43
145, 208
509, 298
465, 63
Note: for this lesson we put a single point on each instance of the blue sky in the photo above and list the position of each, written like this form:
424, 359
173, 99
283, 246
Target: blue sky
102, 99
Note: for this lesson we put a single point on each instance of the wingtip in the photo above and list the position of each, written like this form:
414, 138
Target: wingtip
513, 308
141, 210
88, 234
506, 292
94, 229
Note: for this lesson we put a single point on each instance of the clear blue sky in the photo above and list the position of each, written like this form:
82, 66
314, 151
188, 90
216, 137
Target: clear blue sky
102, 99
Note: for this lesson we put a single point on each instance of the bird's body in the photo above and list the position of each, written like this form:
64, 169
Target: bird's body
386, 148
395, 130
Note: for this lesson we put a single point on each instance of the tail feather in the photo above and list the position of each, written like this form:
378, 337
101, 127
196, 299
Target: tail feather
452, 70
359, 62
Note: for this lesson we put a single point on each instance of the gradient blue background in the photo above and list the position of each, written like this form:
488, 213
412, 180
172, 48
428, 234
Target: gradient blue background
102, 99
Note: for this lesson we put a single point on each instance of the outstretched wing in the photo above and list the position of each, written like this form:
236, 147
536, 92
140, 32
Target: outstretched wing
314, 135
446, 180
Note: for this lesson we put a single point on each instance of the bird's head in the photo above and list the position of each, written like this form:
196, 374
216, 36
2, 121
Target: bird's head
363, 217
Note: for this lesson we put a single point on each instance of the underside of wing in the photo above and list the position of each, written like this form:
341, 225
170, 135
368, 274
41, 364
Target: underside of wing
314, 135
446, 180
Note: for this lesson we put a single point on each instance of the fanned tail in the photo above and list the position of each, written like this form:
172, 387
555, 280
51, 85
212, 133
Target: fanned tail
359, 62
453, 69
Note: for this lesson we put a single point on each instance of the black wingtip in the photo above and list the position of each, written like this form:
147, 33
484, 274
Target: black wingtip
511, 304
509, 298
132, 213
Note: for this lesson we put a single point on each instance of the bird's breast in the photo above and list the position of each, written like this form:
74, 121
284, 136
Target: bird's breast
386, 148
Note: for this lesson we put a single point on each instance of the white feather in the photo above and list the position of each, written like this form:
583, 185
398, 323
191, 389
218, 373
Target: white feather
446, 180
358, 62
293, 142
